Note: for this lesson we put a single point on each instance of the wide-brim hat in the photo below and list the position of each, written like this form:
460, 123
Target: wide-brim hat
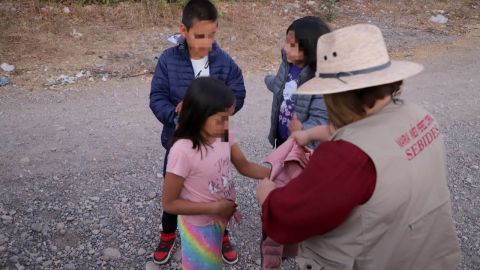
355, 57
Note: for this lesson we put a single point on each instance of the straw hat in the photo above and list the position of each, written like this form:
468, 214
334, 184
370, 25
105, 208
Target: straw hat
352, 58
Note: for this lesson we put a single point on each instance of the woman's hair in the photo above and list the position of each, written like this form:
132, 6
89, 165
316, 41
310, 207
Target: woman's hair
205, 97
347, 107
198, 10
307, 31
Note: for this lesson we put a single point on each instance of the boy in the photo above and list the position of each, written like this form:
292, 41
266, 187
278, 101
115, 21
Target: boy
196, 55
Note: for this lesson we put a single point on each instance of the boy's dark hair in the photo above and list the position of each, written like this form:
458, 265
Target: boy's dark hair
205, 97
307, 31
198, 10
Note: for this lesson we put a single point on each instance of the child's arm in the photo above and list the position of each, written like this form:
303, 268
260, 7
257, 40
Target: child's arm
160, 101
236, 83
246, 167
319, 133
172, 187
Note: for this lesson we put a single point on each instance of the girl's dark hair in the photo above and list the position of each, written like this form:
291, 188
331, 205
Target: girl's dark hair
307, 31
347, 107
198, 10
205, 97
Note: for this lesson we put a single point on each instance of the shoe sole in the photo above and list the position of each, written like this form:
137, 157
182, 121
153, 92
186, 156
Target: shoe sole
230, 262
164, 261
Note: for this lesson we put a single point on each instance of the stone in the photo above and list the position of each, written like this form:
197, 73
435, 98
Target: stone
111, 253
95, 199
37, 227
66, 10
141, 251
60, 226
7, 67
152, 195
7, 219
439, 19
25, 160
13, 259
69, 266
152, 266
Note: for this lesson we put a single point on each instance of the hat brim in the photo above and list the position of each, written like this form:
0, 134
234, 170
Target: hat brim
397, 71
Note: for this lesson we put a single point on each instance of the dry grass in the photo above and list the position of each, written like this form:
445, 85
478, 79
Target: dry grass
40, 38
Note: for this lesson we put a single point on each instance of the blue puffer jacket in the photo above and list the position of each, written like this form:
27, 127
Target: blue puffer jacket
173, 75
310, 109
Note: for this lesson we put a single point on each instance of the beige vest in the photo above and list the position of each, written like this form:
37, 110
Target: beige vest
407, 223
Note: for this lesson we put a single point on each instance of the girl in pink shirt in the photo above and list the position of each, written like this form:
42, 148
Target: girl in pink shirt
198, 185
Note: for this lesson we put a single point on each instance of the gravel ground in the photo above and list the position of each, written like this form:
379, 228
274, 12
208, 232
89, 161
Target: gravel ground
80, 167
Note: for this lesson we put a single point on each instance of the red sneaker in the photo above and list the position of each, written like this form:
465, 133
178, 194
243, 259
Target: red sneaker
229, 254
165, 249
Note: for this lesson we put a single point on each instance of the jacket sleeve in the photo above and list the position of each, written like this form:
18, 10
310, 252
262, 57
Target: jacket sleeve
273, 83
160, 102
235, 82
338, 178
317, 113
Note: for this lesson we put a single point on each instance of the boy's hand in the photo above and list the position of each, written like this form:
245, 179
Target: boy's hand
301, 137
225, 208
265, 186
295, 124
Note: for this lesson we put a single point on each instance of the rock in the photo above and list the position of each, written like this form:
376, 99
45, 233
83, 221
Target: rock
69, 266
7, 68
7, 219
106, 232
95, 199
62, 79
61, 128
111, 253
76, 34
152, 195
3, 239
152, 266
25, 160
37, 227
311, 3
141, 251
475, 167
70, 218
46, 264
13, 259
439, 19
19, 266
66, 10
4, 80
103, 223
12, 212
124, 200
60, 226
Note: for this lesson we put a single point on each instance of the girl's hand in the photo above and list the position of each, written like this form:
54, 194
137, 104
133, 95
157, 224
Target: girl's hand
179, 107
225, 208
301, 137
265, 186
295, 124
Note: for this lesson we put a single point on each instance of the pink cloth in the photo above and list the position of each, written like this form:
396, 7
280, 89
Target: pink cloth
206, 172
287, 162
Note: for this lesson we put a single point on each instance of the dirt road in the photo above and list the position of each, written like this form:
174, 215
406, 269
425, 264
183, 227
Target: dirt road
79, 168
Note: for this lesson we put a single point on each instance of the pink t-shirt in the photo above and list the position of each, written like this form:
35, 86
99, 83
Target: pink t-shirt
206, 172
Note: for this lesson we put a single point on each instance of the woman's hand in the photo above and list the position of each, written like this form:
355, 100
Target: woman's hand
225, 208
265, 186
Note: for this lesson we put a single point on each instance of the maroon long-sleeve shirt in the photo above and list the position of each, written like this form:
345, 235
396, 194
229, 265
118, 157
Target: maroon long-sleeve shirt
338, 178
